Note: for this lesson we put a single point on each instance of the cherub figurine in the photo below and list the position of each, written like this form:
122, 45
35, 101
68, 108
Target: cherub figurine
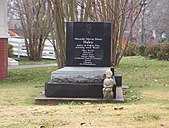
108, 84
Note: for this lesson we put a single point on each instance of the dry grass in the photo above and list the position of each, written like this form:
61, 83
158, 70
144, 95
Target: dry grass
94, 116
147, 79
156, 95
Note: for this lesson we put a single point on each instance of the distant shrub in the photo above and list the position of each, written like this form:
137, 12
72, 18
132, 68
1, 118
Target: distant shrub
10, 50
163, 54
131, 50
142, 49
158, 51
152, 50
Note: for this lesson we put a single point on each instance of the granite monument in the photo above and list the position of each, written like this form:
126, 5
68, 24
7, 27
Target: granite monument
88, 57
88, 44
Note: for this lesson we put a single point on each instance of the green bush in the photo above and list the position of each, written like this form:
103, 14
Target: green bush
142, 49
131, 50
10, 50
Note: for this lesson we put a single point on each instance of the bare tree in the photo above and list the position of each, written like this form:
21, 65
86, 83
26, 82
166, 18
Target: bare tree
34, 15
62, 11
118, 12
157, 16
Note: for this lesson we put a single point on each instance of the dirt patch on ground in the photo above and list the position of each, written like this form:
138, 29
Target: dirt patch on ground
94, 116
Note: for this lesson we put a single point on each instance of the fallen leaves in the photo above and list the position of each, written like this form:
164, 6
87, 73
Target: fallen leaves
83, 124
118, 108
42, 127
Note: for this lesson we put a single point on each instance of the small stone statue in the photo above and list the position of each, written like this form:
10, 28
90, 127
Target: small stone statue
108, 84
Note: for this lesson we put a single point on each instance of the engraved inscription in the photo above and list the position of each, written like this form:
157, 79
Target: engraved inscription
87, 48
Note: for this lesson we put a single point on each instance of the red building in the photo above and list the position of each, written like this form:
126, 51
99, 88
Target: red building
3, 40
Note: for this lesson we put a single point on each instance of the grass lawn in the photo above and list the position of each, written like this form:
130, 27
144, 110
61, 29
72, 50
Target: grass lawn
27, 62
146, 106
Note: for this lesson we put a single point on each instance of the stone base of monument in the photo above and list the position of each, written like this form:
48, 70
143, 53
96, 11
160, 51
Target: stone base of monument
78, 84
43, 100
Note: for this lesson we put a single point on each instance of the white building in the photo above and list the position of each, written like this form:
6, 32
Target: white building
3, 40
3, 19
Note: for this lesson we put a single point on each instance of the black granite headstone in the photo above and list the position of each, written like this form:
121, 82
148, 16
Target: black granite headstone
88, 44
